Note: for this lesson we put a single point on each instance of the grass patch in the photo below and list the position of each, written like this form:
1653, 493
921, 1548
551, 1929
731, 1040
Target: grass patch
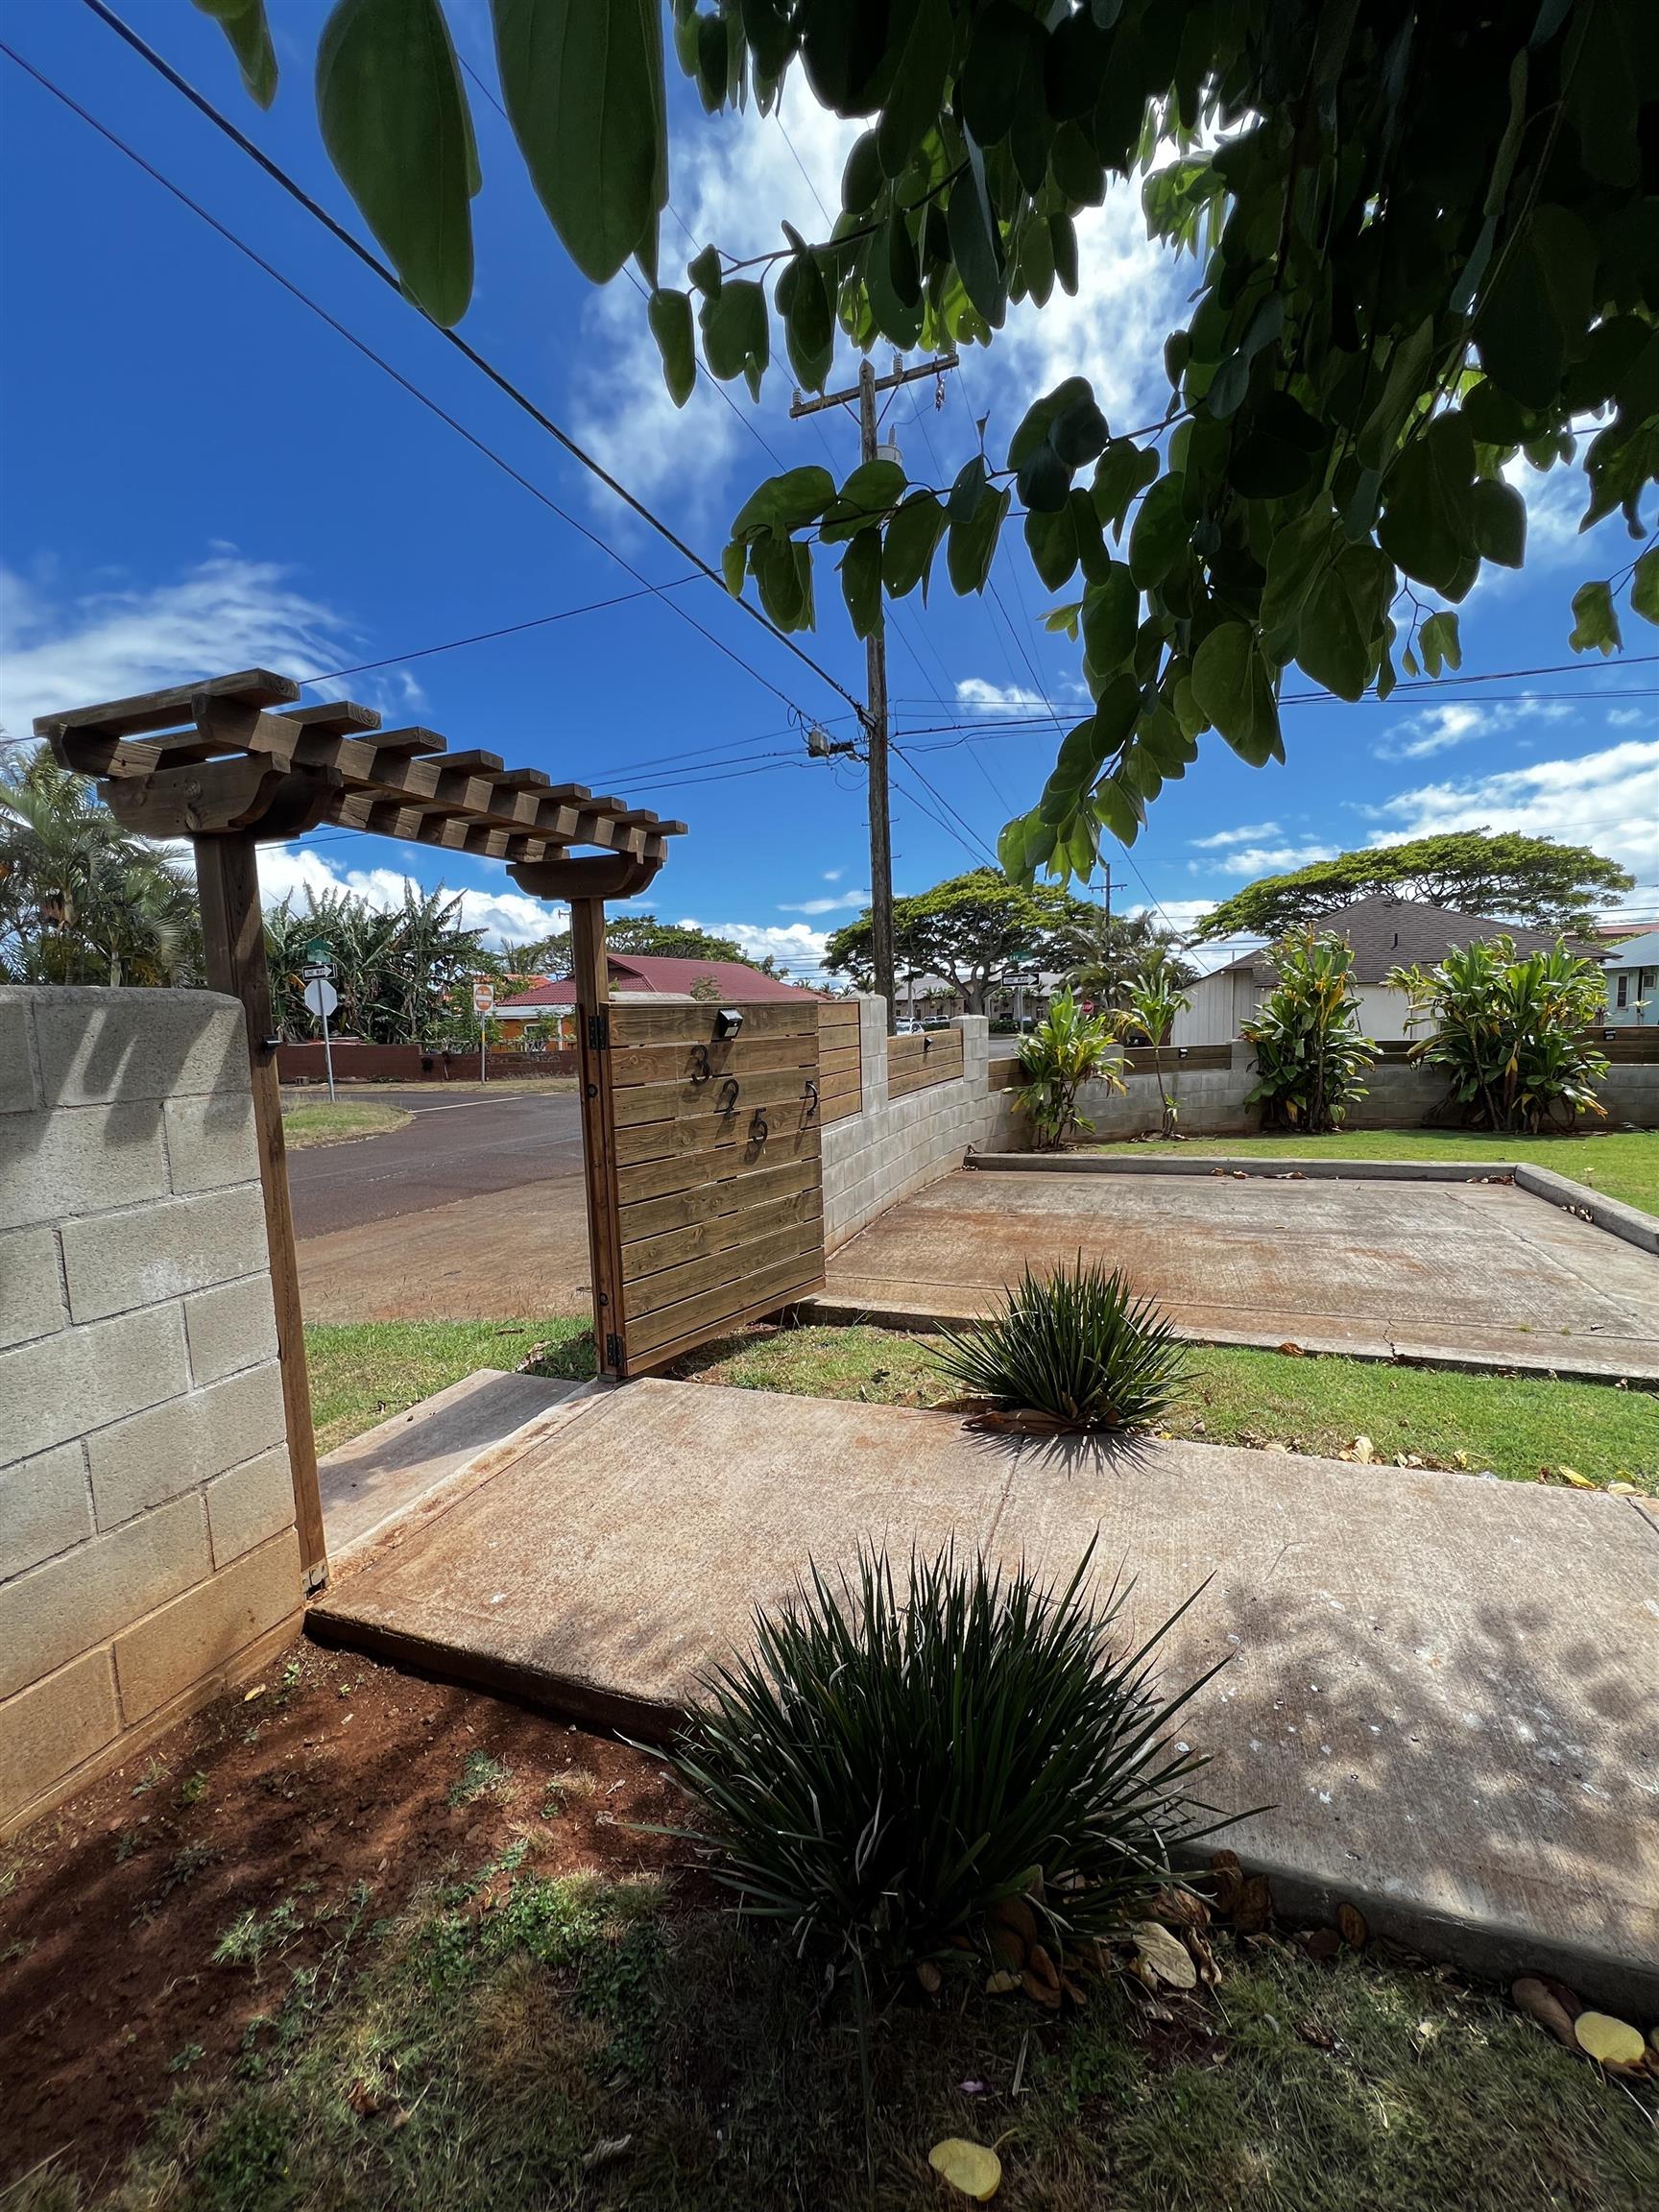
324, 1124
1513, 1426
514, 2043
364, 1371
1622, 1164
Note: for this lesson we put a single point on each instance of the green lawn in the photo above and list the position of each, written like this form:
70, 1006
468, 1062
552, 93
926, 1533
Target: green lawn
366, 1371
1622, 1164
317, 1122
517, 2042
1516, 1426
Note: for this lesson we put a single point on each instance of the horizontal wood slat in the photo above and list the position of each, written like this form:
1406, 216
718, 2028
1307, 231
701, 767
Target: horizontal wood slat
637, 1024
743, 1056
1141, 1060
753, 1186
840, 1060
1004, 1075
917, 1063
692, 1167
667, 1337
735, 1265
701, 1102
746, 1226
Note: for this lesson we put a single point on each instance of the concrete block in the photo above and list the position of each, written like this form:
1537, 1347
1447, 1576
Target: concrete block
84, 1597
50, 1728
138, 1464
31, 1295
210, 1141
230, 1327
117, 1260
161, 1656
44, 1509
96, 1046
63, 1385
17, 1091
250, 1505
56, 1162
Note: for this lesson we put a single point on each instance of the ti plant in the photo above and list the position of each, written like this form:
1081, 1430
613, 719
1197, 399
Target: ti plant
1424, 247
1310, 1053
1509, 1031
1066, 1049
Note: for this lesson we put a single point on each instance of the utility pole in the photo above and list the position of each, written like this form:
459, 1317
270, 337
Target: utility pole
876, 679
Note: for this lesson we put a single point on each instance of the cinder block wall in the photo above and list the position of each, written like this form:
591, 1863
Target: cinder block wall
148, 1552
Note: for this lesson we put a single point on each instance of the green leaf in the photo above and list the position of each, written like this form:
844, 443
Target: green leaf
773, 563
891, 282
669, 314
1531, 322
1427, 512
583, 85
1644, 587
999, 52
912, 106
1062, 621
912, 538
1162, 534
737, 332
1111, 618
1331, 646
1498, 513
977, 241
808, 319
1233, 688
1052, 539
1439, 644
862, 178
1300, 553
704, 270
785, 502
1062, 238
734, 563
868, 493
1596, 624
973, 543
861, 582
243, 22
1122, 470
394, 119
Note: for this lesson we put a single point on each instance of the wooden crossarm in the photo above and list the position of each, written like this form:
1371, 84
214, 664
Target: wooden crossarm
335, 718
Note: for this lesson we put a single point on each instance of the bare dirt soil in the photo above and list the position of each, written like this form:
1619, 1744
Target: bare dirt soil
339, 1784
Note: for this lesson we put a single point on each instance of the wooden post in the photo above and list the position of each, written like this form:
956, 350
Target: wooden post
233, 939
592, 979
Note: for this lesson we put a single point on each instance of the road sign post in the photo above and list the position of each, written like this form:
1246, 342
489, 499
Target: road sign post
1020, 980
483, 1005
322, 997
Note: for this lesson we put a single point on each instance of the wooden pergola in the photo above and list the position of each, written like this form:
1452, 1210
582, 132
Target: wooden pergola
235, 762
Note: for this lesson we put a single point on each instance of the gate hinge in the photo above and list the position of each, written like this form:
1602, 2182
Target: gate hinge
598, 1032
613, 1353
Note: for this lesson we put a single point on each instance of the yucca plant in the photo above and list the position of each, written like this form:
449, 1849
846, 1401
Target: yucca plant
1066, 1049
897, 1755
1076, 1344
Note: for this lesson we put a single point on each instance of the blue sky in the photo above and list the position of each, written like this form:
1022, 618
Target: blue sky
198, 475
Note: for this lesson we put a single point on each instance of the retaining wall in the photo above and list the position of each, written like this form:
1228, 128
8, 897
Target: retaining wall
148, 1552
355, 1063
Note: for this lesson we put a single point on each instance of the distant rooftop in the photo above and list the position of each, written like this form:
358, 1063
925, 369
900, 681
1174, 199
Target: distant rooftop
654, 975
1402, 932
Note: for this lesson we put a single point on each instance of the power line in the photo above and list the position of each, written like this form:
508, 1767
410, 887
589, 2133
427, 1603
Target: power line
388, 276
508, 630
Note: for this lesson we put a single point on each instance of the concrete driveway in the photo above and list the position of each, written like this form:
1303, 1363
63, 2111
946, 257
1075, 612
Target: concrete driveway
475, 1212
1476, 1273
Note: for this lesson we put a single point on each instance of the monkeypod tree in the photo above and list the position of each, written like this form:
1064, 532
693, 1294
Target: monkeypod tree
969, 929
1426, 242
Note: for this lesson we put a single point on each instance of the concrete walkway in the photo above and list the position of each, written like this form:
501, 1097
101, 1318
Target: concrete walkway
1460, 1273
1446, 1688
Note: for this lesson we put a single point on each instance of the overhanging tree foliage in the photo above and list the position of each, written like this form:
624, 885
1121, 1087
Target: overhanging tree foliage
626, 933
1428, 241
1507, 878
970, 929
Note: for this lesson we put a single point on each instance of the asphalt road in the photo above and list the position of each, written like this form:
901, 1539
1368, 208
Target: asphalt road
454, 1149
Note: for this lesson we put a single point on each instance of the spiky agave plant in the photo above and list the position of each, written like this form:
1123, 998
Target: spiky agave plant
892, 1760
1076, 1344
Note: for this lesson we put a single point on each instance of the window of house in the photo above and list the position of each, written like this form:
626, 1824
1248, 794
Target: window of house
1624, 995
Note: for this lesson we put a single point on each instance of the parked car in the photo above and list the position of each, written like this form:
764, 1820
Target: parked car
907, 1025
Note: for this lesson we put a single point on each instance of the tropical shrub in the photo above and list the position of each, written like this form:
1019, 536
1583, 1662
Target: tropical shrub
1509, 1031
1077, 1345
1066, 1049
1310, 1055
901, 1753
1151, 1002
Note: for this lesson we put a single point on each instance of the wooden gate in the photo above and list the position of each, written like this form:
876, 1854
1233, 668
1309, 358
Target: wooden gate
705, 1171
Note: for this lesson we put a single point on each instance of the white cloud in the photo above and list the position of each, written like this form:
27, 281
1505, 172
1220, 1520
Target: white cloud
1249, 860
834, 875
226, 613
798, 950
845, 899
1247, 832
1607, 800
1556, 501
291, 871
1628, 717
1438, 729
989, 698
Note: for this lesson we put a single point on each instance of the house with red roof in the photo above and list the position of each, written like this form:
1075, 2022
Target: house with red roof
647, 975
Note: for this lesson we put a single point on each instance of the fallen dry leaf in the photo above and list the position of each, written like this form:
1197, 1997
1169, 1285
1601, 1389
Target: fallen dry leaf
1530, 1995
1364, 1450
930, 1977
1572, 1475
1319, 1942
974, 2168
1255, 1907
1002, 1982
1350, 1926
1039, 1991
1165, 1955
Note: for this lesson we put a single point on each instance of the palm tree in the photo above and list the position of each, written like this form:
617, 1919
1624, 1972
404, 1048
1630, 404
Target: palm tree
1151, 1002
